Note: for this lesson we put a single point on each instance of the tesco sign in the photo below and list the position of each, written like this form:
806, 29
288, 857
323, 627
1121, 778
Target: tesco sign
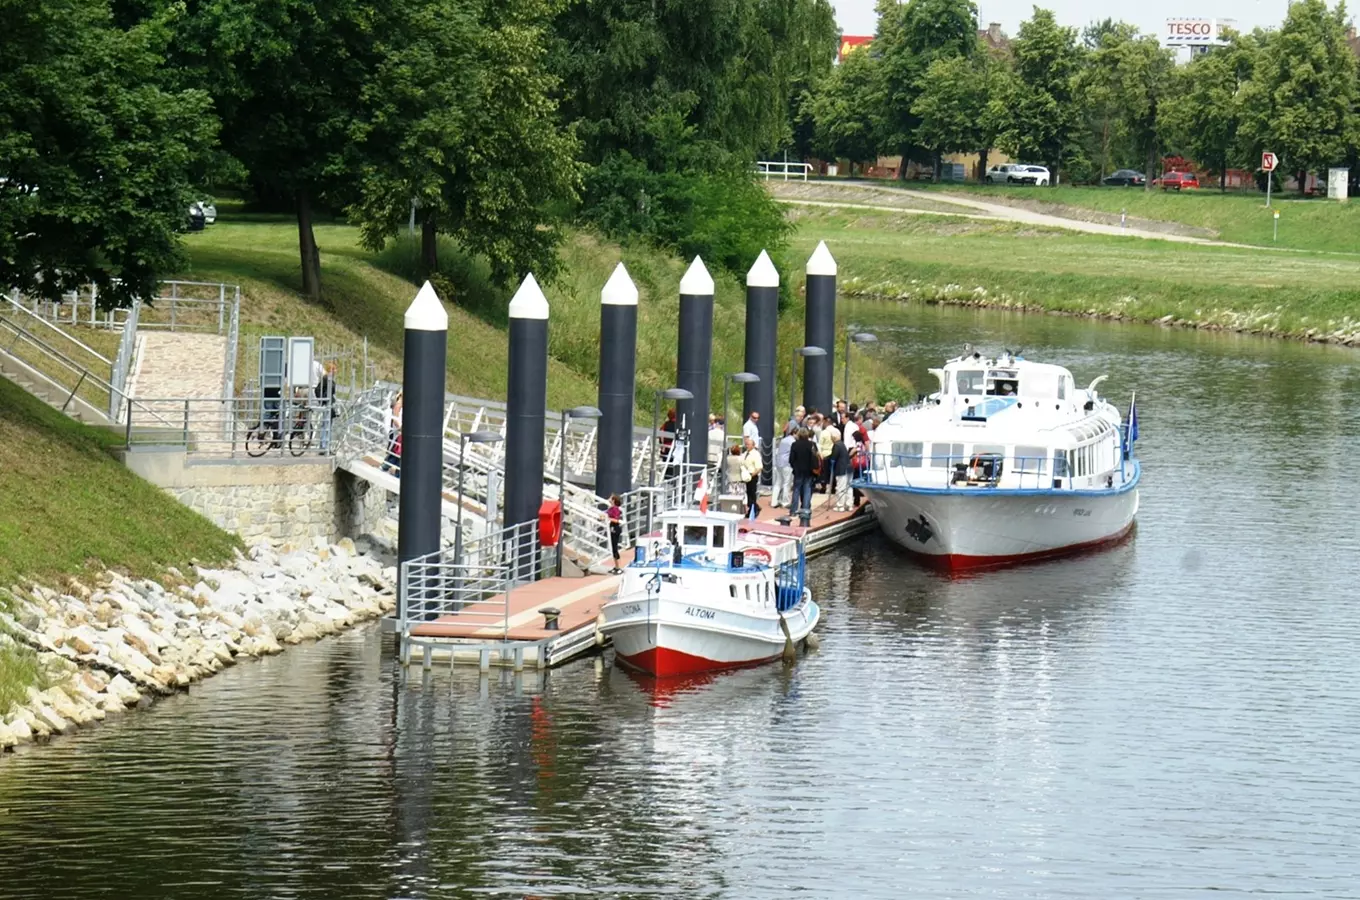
1190, 31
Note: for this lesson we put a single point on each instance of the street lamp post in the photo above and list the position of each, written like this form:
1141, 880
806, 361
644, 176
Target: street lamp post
739, 378
576, 412
466, 437
862, 337
793, 381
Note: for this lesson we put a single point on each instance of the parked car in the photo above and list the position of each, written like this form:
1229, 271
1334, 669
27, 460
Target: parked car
1125, 178
206, 208
1178, 180
1017, 173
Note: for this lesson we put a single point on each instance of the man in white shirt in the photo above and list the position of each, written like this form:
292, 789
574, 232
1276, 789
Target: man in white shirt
752, 428
783, 471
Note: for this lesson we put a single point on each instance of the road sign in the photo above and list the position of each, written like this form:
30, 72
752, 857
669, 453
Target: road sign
1268, 162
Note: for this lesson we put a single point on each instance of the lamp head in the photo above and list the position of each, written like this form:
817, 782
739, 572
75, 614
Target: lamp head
482, 437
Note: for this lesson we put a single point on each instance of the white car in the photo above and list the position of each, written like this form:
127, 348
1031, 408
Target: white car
207, 207
1016, 173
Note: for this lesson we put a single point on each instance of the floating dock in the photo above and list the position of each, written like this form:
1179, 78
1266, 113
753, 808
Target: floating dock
523, 639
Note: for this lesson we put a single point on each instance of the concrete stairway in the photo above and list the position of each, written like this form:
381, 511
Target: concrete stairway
50, 392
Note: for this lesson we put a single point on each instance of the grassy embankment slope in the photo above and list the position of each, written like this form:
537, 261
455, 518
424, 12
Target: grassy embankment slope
68, 507
934, 258
366, 294
1239, 217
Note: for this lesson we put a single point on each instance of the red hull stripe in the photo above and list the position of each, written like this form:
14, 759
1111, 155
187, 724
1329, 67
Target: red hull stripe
664, 662
958, 562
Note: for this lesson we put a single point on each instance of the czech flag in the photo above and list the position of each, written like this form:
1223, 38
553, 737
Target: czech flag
701, 492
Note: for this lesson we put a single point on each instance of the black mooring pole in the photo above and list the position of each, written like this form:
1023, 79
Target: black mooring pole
618, 377
762, 335
526, 407
694, 358
820, 330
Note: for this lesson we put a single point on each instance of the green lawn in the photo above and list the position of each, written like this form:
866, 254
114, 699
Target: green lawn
366, 294
69, 507
963, 260
1238, 217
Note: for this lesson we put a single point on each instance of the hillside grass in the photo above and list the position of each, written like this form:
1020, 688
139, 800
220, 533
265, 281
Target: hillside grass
366, 294
947, 259
1239, 217
69, 507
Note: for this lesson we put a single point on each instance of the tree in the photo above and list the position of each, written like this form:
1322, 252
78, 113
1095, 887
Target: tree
1100, 91
846, 109
957, 107
1134, 72
1044, 112
1300, 102
910, 37
459, 116
1201, 115
288, 77
96, 152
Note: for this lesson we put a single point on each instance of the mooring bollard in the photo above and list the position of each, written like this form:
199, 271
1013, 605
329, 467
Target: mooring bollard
550, 616
694, 358
819, 330
762, 337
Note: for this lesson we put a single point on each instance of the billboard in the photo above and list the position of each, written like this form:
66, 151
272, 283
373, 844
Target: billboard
1195, 32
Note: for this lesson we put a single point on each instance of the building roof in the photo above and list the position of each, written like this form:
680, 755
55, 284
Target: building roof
1353, 40
994, 38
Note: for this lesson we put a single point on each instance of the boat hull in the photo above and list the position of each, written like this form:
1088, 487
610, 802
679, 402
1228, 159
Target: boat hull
958, 530
667, 638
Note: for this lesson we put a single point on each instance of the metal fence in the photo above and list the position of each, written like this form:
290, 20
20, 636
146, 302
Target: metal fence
787, 170
236, 428
178, 306
122, 363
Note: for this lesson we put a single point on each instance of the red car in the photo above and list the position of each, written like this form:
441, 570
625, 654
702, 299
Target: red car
1178, 180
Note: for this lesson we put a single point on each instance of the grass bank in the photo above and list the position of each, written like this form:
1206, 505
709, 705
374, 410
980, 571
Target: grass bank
1238, 217
366, 294
69, 507
986, 263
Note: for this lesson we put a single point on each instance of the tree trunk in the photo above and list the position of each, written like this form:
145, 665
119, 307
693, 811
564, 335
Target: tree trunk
311, 256
982, 165
1151, 169
939, 164
1223, 176
902, 166
429, 246
1303, 183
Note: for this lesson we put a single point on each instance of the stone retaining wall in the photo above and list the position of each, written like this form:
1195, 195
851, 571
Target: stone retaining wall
276, 513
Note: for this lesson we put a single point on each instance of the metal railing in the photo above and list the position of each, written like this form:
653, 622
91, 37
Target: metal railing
122, 363
476, 588
968, 473
233, 350
68, 375
795, 170
178, 306
354, 373
234, 428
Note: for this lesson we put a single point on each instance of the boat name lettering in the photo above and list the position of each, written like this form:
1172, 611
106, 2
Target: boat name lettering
1081, 512
629, 609
700, 613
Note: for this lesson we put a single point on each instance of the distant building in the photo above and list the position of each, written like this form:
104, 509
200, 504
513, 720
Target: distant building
994, 39
1353, 40
852, 42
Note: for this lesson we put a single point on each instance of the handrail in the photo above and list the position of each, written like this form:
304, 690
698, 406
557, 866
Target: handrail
79, 343
767, 168
1036, 473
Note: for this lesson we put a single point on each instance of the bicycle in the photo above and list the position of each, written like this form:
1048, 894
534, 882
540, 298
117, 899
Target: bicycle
303, 432
260, 439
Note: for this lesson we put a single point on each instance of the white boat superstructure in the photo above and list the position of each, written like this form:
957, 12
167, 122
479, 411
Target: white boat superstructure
710, 591
1009, 460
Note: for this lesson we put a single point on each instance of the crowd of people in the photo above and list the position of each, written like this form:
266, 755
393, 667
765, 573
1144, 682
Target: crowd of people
813, 453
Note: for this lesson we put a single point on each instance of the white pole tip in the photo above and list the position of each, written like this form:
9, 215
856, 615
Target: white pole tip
529, 302
619, 290
697, 282
763, 273
821, 262
426, 313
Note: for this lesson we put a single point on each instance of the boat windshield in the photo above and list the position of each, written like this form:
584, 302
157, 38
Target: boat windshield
969, 381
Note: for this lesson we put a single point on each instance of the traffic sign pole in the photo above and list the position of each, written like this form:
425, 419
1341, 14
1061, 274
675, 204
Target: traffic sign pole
1268, 162
1268, 179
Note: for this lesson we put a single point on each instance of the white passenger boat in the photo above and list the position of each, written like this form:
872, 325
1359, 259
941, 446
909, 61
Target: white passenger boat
710, 591
1009, 461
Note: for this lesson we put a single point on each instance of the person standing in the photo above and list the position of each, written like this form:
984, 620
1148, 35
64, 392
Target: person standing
324, 392
751, 430
732, 470
796, 422
393, 460
840, 468
783, 473
824, 444
668, 443
752, 464
803, 465
615, 516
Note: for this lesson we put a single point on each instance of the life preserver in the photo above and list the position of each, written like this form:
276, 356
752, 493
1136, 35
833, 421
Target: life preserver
758, 554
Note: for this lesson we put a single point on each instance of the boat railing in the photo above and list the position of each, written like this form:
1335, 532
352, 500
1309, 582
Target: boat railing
977, 471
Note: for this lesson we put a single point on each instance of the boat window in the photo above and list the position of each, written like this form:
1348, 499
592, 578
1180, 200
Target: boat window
673, 533
1062, 388
942, 456
988, 450
696, 535
970, 381
733, 589
1031, 459
719, 536
1059, 463
907, 454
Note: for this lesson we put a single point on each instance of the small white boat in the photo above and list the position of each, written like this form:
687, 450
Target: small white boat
710, 591
1009, 461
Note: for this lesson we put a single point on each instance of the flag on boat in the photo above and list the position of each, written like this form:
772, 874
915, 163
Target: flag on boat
701, 492
1133, 420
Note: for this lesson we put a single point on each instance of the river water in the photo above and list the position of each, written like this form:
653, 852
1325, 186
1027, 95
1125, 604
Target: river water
1178, 716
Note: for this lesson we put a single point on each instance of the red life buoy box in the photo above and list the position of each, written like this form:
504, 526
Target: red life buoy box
549, 522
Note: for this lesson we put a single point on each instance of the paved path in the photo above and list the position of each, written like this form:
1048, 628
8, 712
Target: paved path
931, 203
178, 364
